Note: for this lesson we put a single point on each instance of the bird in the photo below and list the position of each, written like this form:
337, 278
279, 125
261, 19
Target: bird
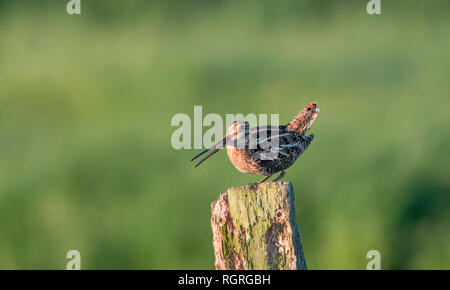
266, 150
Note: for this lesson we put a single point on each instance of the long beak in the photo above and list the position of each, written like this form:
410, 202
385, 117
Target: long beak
221, 142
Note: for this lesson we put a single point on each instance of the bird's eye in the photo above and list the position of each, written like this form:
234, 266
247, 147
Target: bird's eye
309, 109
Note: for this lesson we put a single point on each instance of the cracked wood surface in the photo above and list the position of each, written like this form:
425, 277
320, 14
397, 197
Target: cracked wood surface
254, 228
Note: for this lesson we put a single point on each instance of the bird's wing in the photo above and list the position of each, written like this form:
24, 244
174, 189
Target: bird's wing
267, 140
263, 135
276, 142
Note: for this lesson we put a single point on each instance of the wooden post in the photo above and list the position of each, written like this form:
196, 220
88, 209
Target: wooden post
254, 228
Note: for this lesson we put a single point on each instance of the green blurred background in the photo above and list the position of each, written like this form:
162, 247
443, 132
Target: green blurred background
86, 102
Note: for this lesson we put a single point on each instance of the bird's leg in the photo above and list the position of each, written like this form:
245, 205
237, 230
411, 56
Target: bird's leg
282, 174
264, 179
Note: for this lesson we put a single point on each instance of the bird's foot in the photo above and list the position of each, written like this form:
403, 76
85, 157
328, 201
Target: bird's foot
282, 174
264, 179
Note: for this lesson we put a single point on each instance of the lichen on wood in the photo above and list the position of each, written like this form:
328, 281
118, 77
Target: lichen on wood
254, 227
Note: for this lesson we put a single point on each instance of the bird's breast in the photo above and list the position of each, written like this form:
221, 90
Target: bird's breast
242, 160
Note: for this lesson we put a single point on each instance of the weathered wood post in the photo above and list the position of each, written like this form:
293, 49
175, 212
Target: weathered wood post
254, 228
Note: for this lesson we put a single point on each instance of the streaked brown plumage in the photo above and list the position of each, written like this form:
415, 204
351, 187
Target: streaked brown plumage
266, 150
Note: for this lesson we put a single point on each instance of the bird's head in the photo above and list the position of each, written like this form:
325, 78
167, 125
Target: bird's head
236, 133
235, 137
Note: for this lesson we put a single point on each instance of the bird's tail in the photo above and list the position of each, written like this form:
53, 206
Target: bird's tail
304, 119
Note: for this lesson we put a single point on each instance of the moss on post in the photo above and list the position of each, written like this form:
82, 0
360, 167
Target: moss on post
254, 228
